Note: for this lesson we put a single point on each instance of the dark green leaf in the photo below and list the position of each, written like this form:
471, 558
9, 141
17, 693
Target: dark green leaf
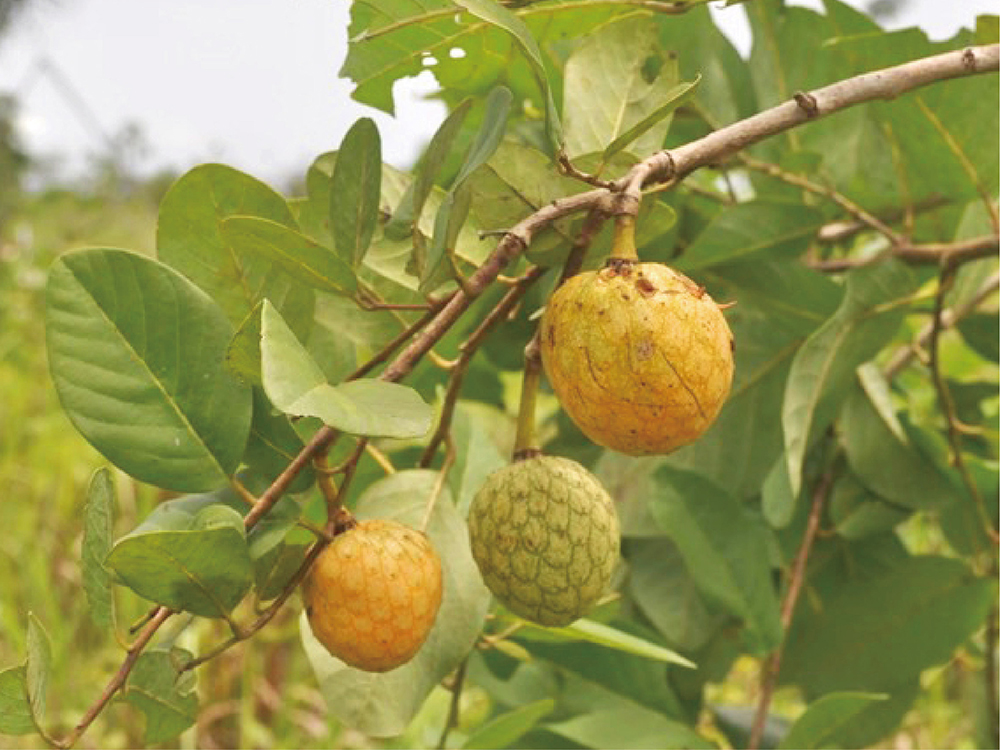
412, 204
163, 693
273, 444
188, 236
15, 711
817, 727
823, 368
301, 258
724, 546
296, 385
856, 512
137, 355
98, 534
199, 564
876, 633
490, 133
451, 217
628, 726
508, 728
667, 593
750, 229
982, 332
896, 471
355, 191
382, 704
37, 668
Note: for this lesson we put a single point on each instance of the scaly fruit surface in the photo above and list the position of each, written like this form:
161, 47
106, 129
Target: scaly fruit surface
373, 594
640, 357
544, 534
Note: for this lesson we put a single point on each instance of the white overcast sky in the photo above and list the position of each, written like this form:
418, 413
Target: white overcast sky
252, 83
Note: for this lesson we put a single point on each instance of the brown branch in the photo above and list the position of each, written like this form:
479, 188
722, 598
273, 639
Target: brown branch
468, 350
772, 667
937, 253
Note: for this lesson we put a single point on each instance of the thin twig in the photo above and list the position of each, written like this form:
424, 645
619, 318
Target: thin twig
456, 696
947, 403
772, 667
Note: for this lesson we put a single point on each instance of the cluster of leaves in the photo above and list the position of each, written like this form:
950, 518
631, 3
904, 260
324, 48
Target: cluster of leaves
258, 339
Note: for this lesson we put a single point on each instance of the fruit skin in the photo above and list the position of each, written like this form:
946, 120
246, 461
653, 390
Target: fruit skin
544, 534
373, 594
640, 357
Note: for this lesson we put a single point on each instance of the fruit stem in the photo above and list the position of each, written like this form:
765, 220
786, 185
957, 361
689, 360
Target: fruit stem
623, 247
526, 438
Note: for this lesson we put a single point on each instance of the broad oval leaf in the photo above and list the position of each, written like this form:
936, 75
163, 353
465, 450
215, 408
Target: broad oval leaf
137, 355
305, 260
355, 189
189, 237
204, 568
383, 704
296, 385
725, 548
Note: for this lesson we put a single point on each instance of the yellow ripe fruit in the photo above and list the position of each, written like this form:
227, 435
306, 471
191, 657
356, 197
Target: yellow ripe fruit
639, 355
373, 594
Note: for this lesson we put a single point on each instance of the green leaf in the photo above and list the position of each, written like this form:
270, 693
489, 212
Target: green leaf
747, 230
163, 693
817, 727
857, 513
273, 444
508, 728
823, 368
15, 710
896, 471
137, 355
604, 635
667, 594
724, 546
296, 385
412, 203
618, 84
98, 534
189, 237
490, 133
874, 634
672, 99
629, 726
199, 564
355, 191
37, 668
306, 261
876, 387
778, 305
496, 14
382, 705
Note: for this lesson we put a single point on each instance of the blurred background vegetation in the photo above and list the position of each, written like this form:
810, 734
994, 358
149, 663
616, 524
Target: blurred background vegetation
258, 694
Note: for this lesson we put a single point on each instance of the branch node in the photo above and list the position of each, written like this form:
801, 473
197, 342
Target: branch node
969, 60
807, 103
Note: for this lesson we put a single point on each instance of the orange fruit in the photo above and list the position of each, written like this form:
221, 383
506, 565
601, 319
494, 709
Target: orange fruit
373, 594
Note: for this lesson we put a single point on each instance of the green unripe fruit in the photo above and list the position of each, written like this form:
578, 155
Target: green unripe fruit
545, 536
